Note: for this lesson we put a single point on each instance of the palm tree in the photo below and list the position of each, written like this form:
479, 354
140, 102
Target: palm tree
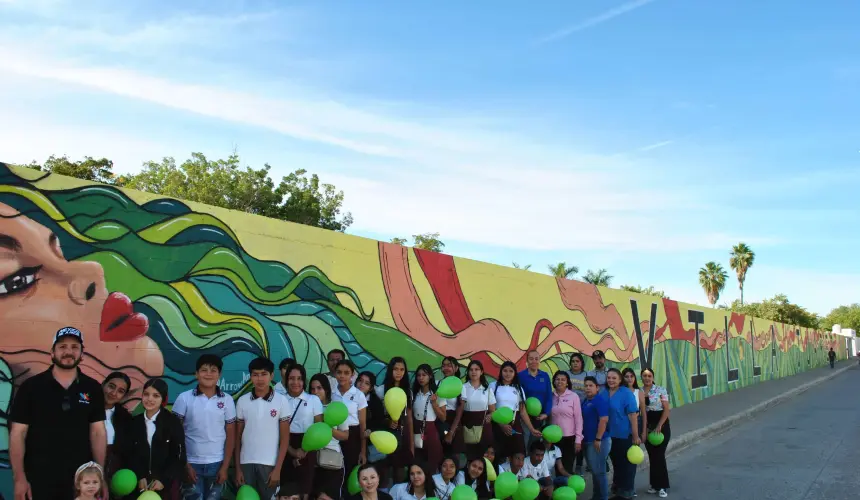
599, 278
713, 278
741, 261
561, 270
524, 268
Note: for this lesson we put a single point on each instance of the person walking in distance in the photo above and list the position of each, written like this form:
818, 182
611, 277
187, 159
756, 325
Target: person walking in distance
57, 424
832, 356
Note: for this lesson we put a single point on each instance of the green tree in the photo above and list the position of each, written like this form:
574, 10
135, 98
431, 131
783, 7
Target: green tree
647, 291
561, 270
398, 241
712, 277
428, 241
224, 183
524, 268
742, 258
599, 278
88, 169
846, 316
779, 309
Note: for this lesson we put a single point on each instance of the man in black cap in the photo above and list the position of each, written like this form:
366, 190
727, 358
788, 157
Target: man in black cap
57, 424
599, 371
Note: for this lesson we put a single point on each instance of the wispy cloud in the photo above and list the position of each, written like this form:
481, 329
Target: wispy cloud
656, 145
593, 21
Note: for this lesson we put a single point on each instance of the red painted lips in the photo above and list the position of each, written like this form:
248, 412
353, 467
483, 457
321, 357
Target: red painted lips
119, 321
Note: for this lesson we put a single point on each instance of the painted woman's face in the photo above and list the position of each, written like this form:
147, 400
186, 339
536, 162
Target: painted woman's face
41, 292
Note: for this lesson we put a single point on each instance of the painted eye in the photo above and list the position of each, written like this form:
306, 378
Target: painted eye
19, 281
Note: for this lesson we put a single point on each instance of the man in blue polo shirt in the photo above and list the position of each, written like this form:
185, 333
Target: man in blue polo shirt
536, 383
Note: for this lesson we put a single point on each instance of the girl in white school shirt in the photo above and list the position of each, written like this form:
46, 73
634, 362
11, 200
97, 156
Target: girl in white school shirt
427, 409
475, 475
328, 482
509, 438
452, 442
445, 481
419, 486
356, 405
297, 472
477, 403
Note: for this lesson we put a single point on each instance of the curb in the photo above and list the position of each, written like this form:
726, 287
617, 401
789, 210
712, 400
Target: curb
686, 440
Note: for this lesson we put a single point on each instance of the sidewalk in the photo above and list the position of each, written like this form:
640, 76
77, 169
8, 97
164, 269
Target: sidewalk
711, 416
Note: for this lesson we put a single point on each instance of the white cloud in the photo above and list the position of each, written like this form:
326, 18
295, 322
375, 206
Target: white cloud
594, 21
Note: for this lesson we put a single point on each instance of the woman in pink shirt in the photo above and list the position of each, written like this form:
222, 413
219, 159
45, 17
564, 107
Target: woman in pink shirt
567, 414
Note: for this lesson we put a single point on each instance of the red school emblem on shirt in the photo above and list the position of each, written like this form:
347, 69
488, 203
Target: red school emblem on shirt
273, 413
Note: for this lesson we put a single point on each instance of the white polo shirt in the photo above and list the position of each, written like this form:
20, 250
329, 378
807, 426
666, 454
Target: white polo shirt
334, 444
538, 471
506, 467
549, 458
400, 492
204, 420
309, 406
450, 403
506, 395
476, 399
332, 380
422, 407
262, 434
461, 479
444, 490
354, 400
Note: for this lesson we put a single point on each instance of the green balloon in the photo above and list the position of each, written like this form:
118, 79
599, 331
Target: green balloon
533, 407
552, 433
656, 438
247, 492
123, 482
528, 489
450, 387
352, 481
503, 416
149, 495
577, 483
335, 414
564, 493
316, 437
506, 485
464, 492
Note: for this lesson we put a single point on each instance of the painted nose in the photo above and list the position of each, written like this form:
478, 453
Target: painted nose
81, 291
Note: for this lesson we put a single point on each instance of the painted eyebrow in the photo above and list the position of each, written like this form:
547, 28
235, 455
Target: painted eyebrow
9, 243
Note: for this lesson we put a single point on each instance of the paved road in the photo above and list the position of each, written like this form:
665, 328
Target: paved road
807, 448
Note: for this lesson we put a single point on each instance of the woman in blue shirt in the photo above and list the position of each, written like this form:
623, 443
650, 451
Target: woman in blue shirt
596, 442
624, 431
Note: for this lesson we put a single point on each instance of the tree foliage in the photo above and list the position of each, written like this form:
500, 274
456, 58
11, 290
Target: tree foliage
712, 277
223, 183
599, 278
845, 316
647, 291
779, 309
398, 241
428, 241
742, 258
562, 270
524, 268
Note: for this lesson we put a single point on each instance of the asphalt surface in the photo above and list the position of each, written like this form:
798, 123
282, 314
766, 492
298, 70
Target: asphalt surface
807, 448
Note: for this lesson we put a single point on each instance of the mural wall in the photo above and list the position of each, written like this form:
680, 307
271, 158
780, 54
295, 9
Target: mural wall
155, 282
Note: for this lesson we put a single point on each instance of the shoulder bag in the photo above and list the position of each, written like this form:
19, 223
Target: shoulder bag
473, 434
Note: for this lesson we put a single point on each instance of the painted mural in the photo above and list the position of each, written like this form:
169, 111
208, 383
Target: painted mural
155, 282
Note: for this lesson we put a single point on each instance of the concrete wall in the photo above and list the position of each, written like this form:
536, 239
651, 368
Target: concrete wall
169, 280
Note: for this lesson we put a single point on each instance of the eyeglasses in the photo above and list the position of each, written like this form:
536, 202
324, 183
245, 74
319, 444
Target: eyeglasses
67, 403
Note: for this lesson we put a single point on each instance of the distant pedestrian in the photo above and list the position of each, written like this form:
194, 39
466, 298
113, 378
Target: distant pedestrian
832, 356
657, 409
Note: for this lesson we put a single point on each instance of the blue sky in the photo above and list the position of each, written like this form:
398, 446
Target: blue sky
645, 137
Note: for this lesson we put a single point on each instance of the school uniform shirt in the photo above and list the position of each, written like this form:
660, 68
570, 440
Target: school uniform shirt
461, 479
506, 395
111, 434
450, 403
204, 420
150, 426
262, 434
549, 459
444, 490
506, 467
477, 399
354, 400
422, 407
400, 491
656, 397
621, 404
535, 472
333, 383
334, 444
538, 386
306, 407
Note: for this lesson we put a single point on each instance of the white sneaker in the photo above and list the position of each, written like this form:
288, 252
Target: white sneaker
662, 494
652, 491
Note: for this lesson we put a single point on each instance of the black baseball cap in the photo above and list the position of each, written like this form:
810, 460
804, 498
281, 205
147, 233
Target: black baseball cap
69, 331
598, 354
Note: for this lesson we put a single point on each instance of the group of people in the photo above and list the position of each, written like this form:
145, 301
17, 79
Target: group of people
69, 433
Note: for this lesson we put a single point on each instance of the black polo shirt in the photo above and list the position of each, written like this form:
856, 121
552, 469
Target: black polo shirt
59, 421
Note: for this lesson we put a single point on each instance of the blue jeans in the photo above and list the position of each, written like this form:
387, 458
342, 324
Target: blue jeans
597, 462
205, 487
